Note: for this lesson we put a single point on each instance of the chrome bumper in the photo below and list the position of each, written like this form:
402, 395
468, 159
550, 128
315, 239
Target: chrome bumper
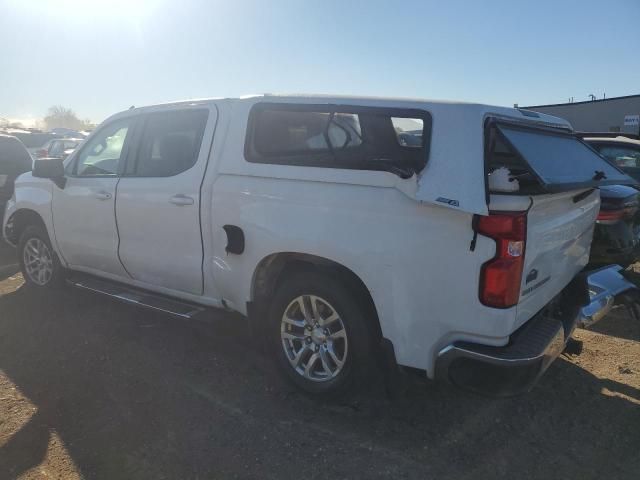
604, 286
515, 368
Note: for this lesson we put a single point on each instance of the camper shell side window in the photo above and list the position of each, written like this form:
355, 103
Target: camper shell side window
339, 136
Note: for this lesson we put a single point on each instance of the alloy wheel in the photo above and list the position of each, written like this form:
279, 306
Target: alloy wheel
314, 338
38, 261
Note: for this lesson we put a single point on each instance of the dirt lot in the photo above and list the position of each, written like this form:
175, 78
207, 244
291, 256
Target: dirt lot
90, 388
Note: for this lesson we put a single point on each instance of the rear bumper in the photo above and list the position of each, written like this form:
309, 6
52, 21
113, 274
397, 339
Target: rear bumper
515, 368
607, 287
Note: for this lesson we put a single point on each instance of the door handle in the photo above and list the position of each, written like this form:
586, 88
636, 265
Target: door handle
102, 195
181, 200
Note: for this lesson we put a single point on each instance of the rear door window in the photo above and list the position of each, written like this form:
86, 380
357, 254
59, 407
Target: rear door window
558, 161
170, 143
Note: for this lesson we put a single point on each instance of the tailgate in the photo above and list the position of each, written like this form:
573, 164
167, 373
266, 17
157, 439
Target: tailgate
559, 231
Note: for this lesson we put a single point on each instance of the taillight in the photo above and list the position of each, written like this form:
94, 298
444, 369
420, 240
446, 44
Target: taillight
501, 276
609, 217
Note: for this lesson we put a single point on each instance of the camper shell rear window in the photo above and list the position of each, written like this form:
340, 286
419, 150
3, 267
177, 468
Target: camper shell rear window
523, 159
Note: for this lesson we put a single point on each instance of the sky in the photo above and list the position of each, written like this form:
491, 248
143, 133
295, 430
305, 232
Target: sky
99, 57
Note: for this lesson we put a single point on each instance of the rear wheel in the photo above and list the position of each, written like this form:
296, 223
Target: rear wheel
319, 334
39, 264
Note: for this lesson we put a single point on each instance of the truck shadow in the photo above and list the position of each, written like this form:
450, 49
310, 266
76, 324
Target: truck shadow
133, 394
8, 260
618, 324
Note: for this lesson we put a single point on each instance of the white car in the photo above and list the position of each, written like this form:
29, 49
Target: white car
439, 236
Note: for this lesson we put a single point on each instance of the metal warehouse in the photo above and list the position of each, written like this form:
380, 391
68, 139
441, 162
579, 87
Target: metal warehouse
616, 114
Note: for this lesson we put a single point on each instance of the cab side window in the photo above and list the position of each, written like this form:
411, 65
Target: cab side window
169, 144
103, 154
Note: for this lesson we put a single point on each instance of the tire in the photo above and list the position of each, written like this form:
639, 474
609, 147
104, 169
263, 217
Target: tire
34, 246
343, 344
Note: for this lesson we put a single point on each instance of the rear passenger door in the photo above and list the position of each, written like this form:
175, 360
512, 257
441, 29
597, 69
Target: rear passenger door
158, 199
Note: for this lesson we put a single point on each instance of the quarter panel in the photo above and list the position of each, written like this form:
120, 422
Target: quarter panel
414, 258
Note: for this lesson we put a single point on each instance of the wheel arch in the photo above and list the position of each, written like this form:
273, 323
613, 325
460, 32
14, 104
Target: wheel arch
272, 269
21, 219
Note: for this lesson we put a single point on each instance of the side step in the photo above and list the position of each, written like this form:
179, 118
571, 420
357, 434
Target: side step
135, 296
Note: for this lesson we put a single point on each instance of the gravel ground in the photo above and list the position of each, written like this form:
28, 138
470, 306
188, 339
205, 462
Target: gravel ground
90, 388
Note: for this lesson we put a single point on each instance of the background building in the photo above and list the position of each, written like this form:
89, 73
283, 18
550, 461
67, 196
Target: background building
616, 114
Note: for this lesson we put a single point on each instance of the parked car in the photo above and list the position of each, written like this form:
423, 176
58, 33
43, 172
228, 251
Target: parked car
33, 141
623, 150
14, 160
66, 132
58, 148
616, 237
617, 233
341, 243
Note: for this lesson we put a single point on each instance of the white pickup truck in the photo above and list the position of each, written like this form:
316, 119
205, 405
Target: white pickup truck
440, 236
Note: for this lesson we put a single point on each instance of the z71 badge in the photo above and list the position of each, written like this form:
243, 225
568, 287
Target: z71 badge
448, 201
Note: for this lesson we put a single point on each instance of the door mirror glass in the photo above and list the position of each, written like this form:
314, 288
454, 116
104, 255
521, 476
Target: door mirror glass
48, 168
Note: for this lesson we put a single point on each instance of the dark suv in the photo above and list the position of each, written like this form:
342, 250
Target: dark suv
14, 160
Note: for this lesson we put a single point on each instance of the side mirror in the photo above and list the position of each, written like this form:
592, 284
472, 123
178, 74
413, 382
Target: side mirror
51, 168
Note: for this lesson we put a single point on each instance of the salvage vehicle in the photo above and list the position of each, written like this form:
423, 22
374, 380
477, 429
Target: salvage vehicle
617, 234
355, 233
616, 238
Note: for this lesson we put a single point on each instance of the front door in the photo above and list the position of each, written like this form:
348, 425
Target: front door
84, 210
158, 199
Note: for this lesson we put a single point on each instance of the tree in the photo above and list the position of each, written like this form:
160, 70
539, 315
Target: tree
62, 117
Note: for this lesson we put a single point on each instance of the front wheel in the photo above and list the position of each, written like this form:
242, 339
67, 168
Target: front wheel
320, 335
39, 264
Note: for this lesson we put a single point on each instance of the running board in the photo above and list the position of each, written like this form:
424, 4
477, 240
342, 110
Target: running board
135, 296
